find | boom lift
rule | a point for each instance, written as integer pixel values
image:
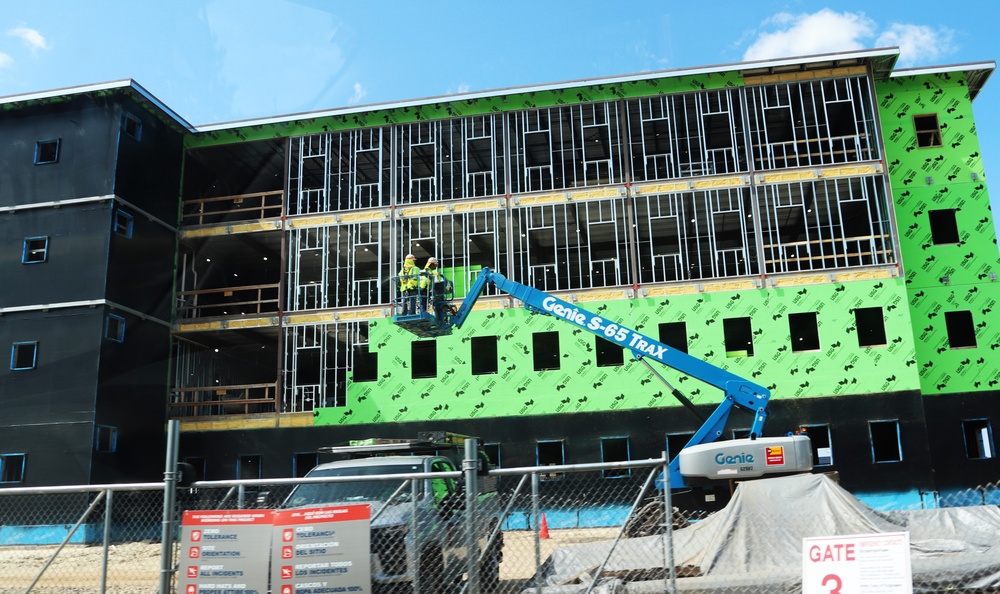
(700, 459)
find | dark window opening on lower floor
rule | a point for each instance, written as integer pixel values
(609, 354)
(674, 335)
(47, 151)
(106, 439)
(804, 330)
(423, 359)
(886, 446)
(200, 466)
(615, 449)
(114, 328)
(545, 350)
(123, 223)
(248, 467)
(978, 439)
(23, 355)
(365, 364)
(550, 453)
(12, 468)
(870, 325)
(676, 442)
(303, 462)
(738, 336)
(961, 329)
(493, 453)
(944, 226)
(36, 250)
(484, 355)
(819, 439)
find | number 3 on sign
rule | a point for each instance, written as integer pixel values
(832, 581)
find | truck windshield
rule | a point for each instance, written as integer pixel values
(361, 491)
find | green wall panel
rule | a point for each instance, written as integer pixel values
(580, 385)
(933, 178)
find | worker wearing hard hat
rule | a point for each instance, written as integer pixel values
(408, 285)
(432, 282)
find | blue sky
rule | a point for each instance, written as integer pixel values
(216, 61)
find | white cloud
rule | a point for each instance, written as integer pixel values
(359, 93)
(5, 60)
(825, 31)
(917, 43)
(31, 37)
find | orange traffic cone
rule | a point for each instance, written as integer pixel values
(543, 530)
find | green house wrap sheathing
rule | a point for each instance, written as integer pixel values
(950, 277)
(579, 385)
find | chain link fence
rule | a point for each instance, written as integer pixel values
(565, 529)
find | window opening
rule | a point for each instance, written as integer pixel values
(365, 364)
(47, 151)
(944, 226)
(550, 453)
(200, 465)
(12, 468)
(615, 449)
(738, 336)
(484, 355)
(132, 126)
(928, 130)
(106, 439)
(978, 439)
(36, 250)
(961, 329)
(493, 453)
(423, 355)
(609, 354)
(23, 355)
(886, 446)
(870, 324)
(676, 442)
(303, 462)
(248, 467)
(114, 328)
(123, 223)
(674, 335)
(819, 438)
(545, 350)
(804, 331)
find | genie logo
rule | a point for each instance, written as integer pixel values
(743, 458)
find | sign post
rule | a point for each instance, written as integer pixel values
(866, 563)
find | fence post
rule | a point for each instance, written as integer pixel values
(538, 541)
(668, 529)
(169, 501)
(471, 466)
(107, 540)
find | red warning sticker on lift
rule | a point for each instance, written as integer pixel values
(775, 455)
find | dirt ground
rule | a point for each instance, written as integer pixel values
(135, 567)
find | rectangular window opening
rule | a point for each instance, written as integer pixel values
(545, 350)
(676, 442)
(47, 151)
(12, 468)
(114, 328)
(423, 359)
(978, 439)
(248, 467)
(23, 355)
(609, 354)
(674, 335)
(944, 226)
(365, 364)
(106, 439)
(303, 462)
(886, 446)
(961, 329)
(36, 250)
(123, 223)
(804, 331)
(493, 453)
(819, 438)
(615, 449)
(928, 130)
(738, 336)
(870, 325)
(550, 453)
(132, 126)
(484, 355)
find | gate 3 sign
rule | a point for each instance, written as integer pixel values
(842, 564)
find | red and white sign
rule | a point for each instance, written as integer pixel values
(774, 455)
(841, 564)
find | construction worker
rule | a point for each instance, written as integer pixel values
(408, 285)
(433, 282)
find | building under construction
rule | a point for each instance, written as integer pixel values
(819, 224)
